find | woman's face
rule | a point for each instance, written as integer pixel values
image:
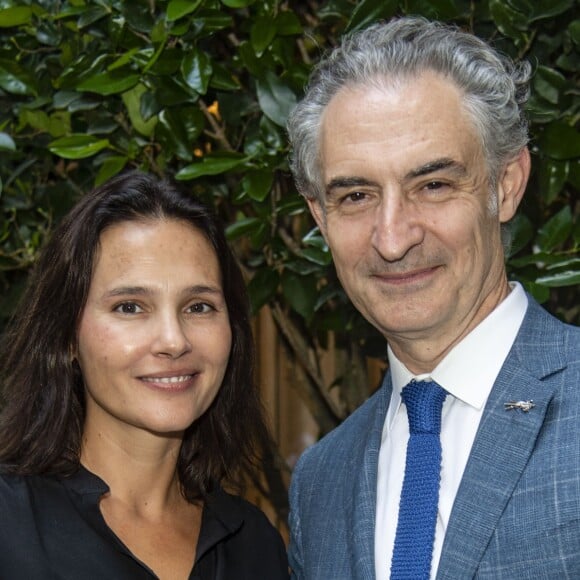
(154, 336)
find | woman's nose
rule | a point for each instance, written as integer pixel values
(171, 338)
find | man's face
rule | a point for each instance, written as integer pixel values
(408, 213)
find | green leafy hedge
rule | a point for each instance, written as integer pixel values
(200, 90)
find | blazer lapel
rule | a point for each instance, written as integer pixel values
(361, 510)
(502, 446)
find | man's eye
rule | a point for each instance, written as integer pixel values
(434, 185)
(355, 196)
(128, 308)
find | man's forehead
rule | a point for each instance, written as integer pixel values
(418, 127)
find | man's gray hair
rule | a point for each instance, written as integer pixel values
(495, 88)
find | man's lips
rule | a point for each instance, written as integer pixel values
(408, 276)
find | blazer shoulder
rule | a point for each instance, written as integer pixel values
(545, 344)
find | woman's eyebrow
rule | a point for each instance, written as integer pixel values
(144, 291)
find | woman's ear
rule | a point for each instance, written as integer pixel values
(512, 185)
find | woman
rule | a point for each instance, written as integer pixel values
(128, 399)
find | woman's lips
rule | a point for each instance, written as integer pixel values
(170, 381)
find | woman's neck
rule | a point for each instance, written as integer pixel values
(140, 468)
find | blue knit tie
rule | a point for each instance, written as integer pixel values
(420, 494)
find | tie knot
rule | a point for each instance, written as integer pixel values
(424, 402)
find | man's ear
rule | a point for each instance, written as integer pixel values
(318, 214)
(512, 185)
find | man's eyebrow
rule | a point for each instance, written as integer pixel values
(344, 182)
(437, 165)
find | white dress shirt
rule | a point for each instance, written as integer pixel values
(467, 373)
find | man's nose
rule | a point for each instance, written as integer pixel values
(397, 228)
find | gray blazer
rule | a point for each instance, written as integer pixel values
(517, 510)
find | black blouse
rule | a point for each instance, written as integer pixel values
(52, 527)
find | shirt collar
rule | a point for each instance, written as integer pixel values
(470, 368)
(222, 514)
(84, 482)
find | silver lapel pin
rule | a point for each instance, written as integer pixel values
(525, 406)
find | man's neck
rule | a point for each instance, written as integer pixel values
(422, 352)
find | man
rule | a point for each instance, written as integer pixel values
(410, 148)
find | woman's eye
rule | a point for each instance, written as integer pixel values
(128, 308)
(201, 308)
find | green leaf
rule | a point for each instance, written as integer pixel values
(57, 125)
(288, 24)
(262, 288)
(243, 227)
(169, 91)
(300, 292)
(549, 8)
(193, 121)
(291, 205)
(77, 146)
(211, 165)
(109, 83)
(303, 267)
(317, 256)
(196, 69)
(211, 20)
(222, 79)
(276, 99)
(567, 278)
(564, 262)
(126, 59)
(15, 80)
(549, 83)
(510, 22)
(132, 100)
(111, 166)
(552, 178)
(15, 16)
(560, 141)
(91, 15)
(237, 3)
(172, 134)
(262, 33)
(257, 183)
(574, 32)
(138, 15)
(36, 119)
(6, 142)
(177, 9)
(315, 239)
(539, 259)
(522, 231)
(249, 59)
(556, 230)
(368, 11)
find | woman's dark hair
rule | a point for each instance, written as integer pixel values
(43, 411)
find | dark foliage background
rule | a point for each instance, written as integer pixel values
(200, 90)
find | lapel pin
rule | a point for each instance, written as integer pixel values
(525, 406)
